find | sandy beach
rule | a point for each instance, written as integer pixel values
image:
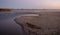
(47, 23)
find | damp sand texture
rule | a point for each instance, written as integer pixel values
(47, 23)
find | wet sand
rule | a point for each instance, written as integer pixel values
(47, 23)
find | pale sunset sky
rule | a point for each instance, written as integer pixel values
(30, 4)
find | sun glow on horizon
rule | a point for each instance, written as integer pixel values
(54, 5)
(48, 4)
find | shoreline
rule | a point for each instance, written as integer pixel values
(22, 27)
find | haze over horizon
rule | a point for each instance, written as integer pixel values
(30, 4)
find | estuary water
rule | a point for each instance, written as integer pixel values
(7, 24)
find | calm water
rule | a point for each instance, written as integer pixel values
(7, 24)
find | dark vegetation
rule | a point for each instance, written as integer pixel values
(5, 10)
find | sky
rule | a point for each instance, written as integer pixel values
(30, 4)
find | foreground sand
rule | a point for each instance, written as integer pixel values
(47, 23)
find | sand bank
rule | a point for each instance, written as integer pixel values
(45, 24)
